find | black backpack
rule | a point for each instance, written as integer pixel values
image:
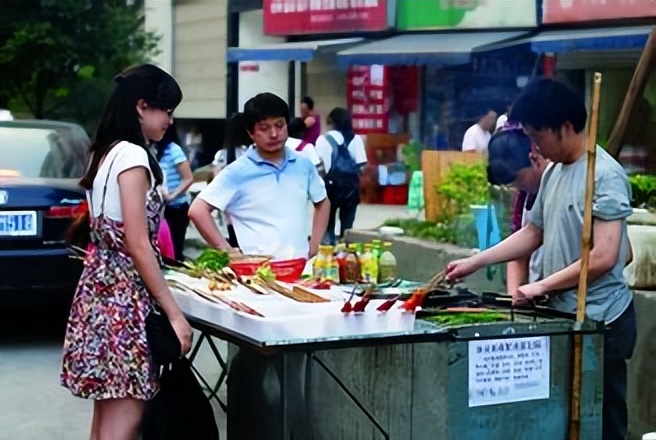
(343, 180)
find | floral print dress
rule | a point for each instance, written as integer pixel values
(106, 354)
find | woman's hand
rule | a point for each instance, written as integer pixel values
(183, 332)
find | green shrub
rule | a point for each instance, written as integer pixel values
(643, 188)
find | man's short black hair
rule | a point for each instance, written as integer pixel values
(308, 101)
(264, 106)
(548, 103)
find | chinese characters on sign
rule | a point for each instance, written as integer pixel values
(303, 17)
(508, 370)
(367, 95)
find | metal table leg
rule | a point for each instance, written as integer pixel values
(213, 390)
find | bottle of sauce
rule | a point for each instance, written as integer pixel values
(340, 256)
(352, 272)
(387, 264)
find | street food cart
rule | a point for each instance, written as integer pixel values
(307, 370)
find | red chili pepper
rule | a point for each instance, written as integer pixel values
(415, 300)
(360, 305)
(384, 307)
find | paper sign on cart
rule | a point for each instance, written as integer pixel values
(508, 370)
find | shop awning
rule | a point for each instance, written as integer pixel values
(561, 41)
(412, 49)
(293, 51)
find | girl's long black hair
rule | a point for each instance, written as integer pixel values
(120, 121)
(341, 120)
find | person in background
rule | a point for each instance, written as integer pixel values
(194, 145)
(106, 356)
(312, 120)
(297, 130)
(235, 143)
(343, 184)
(265, 191)
(436, 140)
(177, 180)
(514, 160)
(478, 135)
(554, 118)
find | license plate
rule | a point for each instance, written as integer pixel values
(18, 223)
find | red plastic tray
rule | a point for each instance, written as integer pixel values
(285, 270)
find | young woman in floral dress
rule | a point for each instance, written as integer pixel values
(106, 354)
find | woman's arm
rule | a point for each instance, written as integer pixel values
(133, 187)
(187, 179)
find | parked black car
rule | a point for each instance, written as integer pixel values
(41, 163)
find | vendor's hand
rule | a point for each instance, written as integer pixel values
(314, 249)
(183, 332)
(527, 293)
(234, 253)
(459, 269)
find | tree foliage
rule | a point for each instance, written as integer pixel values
(58, 57)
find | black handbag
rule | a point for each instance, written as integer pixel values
(164, 344)
(180, 410)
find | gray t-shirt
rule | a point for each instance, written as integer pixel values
(558, 210)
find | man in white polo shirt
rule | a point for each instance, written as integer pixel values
(478, 135)
(265, 191)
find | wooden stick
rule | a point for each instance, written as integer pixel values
(636, 87)
(586, 241)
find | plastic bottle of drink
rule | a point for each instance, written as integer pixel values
(332, 266)
(369, 265)
(340, 256)
(387, 264)
(319, 264)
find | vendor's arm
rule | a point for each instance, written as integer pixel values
(517, 274)
(520, 244)
(607, 238)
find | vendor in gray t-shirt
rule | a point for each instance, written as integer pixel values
(554, 117)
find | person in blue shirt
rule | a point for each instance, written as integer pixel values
(265, 191)
(177, 180)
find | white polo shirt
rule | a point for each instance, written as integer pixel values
(268, 203)
(476, 139)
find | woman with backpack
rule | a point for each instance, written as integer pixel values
(344, 158)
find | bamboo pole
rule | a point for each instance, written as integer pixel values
(586, 241)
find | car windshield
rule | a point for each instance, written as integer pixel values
(41, 152)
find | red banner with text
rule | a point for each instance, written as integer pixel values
(367, 96)
(307, 17)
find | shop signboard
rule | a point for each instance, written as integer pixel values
(308, 17)
(367, 98)
(465, 14)
(568, 11)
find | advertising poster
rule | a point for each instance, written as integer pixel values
(367, 98)
(307, 17)
(465, 14)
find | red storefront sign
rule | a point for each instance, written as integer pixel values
(305, 17)
(368, 97)
(566, 11)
